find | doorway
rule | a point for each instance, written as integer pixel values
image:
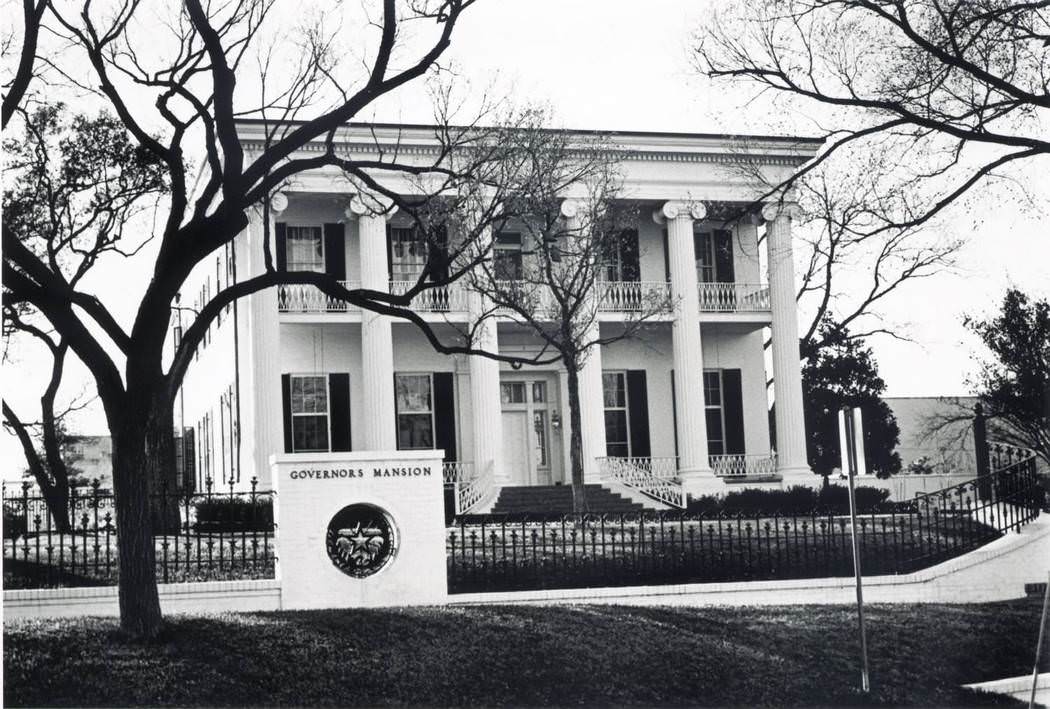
(530, 418)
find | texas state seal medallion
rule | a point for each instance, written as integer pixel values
(361, 540)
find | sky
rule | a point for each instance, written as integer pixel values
(626, 65)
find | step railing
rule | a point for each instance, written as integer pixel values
(449, 298)
(654, 477)
(472, 492)
(737, 465)
(305, 298)
(733, 297)
(458, 471)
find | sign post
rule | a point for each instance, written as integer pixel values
(847, 419)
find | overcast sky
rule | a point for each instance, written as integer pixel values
(626, 65)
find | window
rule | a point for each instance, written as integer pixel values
(309, 399)
(716, 439)
(304, 246)
(415, 411)
(705, 257)
(617, 429)
(408, 253)
(506, 260)
(512, 392)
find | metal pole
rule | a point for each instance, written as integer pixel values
(1039, 645)
(865, 685)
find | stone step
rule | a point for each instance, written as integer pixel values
(550, 499)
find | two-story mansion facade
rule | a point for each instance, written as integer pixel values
(680, 409)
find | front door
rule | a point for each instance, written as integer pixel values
(528, 451)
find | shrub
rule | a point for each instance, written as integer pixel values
(15, 525)
(234, 514)
(796, 500)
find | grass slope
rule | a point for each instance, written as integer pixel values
(515, 655)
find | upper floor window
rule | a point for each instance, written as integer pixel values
(305, 248)
(309, 412)
(408, 253)
(506, 260)
(714, 256)
(415, 411)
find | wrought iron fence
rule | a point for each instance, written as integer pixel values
(534, 552)
(198, 536)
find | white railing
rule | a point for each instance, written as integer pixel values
(303, 298)
(737, 465)
(634, 296)
(655, 477)
(733, 297)
(474, 491)
(439, 299)
(456, 472)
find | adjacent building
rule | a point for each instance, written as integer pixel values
(678, 411)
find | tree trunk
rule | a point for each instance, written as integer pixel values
(579, 499)
(160, 468)
(140, 614)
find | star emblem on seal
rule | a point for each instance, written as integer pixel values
(361, 540)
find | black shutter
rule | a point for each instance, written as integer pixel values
(667, 261)
(733, 409)
(674, 415)
(286, 405)
(638, 403)
(335, 252)
(389, 253)
(438, 255)
(190, 457)
(629, 255)
(724, 257)
(339, 410)
(445, 415)
(281, 245)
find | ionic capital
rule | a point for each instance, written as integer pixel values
(677, 208)
(772, 210)
(570, 208)
(278, 202)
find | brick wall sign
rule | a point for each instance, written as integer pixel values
(360, 529)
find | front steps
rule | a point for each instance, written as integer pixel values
(557, 499)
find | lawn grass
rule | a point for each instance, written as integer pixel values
(525, 655)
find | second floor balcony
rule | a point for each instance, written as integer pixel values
(628, 298)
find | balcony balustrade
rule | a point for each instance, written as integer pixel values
(634, 296)
(729, 466)
(440, 299)
(303, 298)
(733, 297)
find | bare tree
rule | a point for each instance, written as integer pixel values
(182, 74)
(953, 90)
(552, 278)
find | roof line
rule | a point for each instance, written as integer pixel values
(630, 133)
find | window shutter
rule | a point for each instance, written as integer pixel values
(445, 414)
(438, 255)
(674, 415)
(335, 252)
(281, 246)
(733, 410)
(629, 255)
(339, 410)
(724, 257)
(190, 459)
(389, 253)
(638, 403)
(667, 266)
(286, 405)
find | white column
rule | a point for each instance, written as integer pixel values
(787, 368)
(687, 350)
(262, 418)
(377, 348)
(592, 400)
(484, 391)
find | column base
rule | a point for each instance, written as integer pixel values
(697, 483)
(801, 475)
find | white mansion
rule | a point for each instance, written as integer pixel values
(682, 410)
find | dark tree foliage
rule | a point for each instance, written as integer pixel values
(1014, 387)
(843, 372)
